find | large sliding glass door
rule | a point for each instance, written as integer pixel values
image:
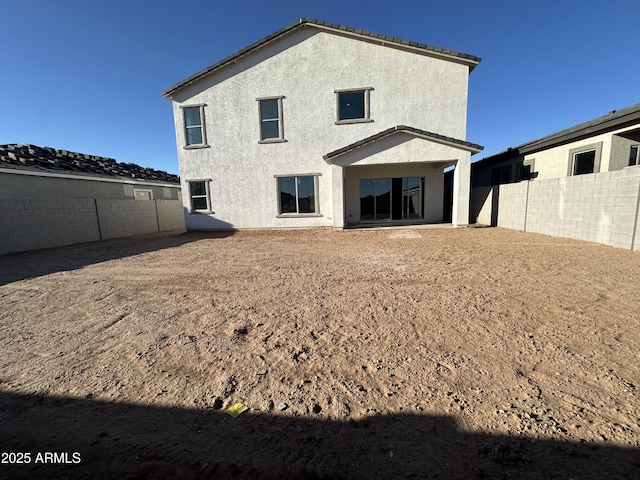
(391, 198)
(412, 197)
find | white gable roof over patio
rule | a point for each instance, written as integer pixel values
(401, 144)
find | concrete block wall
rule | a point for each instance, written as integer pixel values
(31, 224)
(600, 207)
(512, 204)
(125, 218)
(170, 215)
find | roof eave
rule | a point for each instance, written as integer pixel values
(470, 60)
(451, 142)
(605, 126)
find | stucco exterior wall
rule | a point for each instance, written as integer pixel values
(555, 162)
(306, 67)
(481, 176)
(27, 185)
(620, 149)
(481, 206)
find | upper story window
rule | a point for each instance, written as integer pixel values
(634, 157)
(271, 127)
(352, 105)
(194, 131)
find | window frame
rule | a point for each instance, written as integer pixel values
(501, 169)
(527, 166)
(202, 127)
(577, 159)
(367, 105)
(297, 214)
(634, 161)
(207, 195)
(145, 190)
(596, 147)
(280, 138)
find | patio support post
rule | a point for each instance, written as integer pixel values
(337, 193)
(461, 191)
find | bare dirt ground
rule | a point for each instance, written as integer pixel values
(386, 353)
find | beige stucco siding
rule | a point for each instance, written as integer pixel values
(620, 150)
(554, 162)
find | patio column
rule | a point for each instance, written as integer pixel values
(461, 191)
(337, 194)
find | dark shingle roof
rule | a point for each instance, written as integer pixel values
(46, 159)
(452, 55)
(472, 147)
(612, 121)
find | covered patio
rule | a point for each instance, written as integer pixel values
(396, 177)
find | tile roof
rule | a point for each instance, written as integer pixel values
(452, 55)
(472, 147)
(46, 159)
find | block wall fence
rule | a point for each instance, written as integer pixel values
(598, 207)
(35, 223)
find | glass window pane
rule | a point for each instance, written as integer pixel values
(350, 105)
(198, 188)
(199, 203)
(287, 190)
(306, 197)
(270, 130)
(367, 201)
(192, 116)
(383, 198)
(268, 109)
(633, 156)
(584, 162)
(194, 136)
(414, 198)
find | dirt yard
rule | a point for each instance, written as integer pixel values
(387, 353)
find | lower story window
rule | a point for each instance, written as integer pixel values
(199, 194)
(501, 175)
(584, 162)
(297, 194)
(142, 194)
(633, 156)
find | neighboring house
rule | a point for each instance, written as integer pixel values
(29, 171)
(607, 143)
(324, 125)
(54, 197)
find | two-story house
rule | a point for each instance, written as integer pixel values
(324, 125)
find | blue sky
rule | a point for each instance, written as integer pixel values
(87, 76)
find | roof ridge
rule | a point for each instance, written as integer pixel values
(452, 55)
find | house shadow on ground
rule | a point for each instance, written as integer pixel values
(24, 265)
(128, 441)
